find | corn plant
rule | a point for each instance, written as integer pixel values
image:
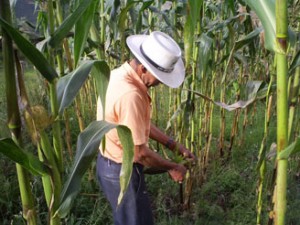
(229, 52)
(63, 91)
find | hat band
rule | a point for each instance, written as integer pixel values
(154, 64)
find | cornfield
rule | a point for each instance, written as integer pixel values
(242, 62)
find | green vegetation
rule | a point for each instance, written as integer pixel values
(228, 196)
(238, 110)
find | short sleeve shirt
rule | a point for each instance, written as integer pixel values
(127, 103)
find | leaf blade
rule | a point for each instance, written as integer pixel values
(87, 146)
(68, 23)
(10, 149)
(82, 28)
(31, 52)
(69, 85)
(290, 150)
(126, 169)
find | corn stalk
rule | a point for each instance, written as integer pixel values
(262, 153)
(282, 111)
(14, 120)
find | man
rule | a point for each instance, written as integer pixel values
(157, 60)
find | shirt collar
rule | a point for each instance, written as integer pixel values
(136, 78)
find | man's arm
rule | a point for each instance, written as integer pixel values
(157, 135)
(149, 158)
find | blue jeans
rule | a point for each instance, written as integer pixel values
(135, 207)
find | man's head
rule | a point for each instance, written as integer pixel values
(160, 55)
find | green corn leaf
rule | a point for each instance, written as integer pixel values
(205, 47)
(10, 149)
(188, 35)
(222, 25)
(101, 74)
(139, 25)
(87, 147)
(195, 7)
(125, 174)
(265, 10)
(248, 38)
(69, 85)
(115, 7)
(68, 24)
(123, 16)
(30, 52)
(190, 26)
(290, 150)
(82, 28)
(295, 63)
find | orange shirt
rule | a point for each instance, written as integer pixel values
(127, 103)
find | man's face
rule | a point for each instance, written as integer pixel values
(150, 80)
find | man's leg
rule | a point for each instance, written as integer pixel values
(135, 207)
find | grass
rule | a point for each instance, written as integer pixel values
(227, 197)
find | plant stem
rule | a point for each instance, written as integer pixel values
(282, 110)
(14, 120)
(57, 141)
(293, 97)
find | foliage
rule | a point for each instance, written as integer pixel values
(229, 50)
(87, 147)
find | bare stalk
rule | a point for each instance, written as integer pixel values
(282, 110)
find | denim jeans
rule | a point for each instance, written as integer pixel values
(135, 207)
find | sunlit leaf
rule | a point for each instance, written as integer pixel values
(265, 10)
(69, 85)
(127, 143)
(87, 147)
(101, 74)
(82, 28)
(30, 52)
(68, 24)
(30, 162)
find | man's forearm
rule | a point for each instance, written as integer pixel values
(159, 136)
(149, 158)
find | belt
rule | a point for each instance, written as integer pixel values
(109, 160)
(138, 165)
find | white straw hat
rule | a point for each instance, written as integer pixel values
(161, 55)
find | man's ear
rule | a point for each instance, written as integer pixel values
(144, 70)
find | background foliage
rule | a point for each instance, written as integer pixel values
(225, 112)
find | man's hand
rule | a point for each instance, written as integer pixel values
(178, 173)
(187, 154)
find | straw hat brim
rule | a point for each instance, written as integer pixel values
(173, 79)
